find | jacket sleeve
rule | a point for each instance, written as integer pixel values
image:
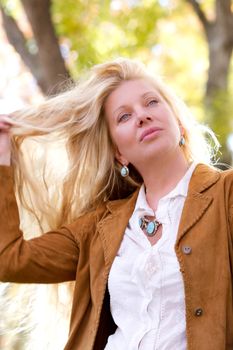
(230, 210)
(50, 258)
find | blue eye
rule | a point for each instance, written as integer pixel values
(124, 117)
(152, 102)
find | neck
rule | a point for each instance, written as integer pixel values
(160, 177)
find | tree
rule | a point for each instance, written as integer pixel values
(45, 61)
(219, 36)
(54, 22)
(127, 28)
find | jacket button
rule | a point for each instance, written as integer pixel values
(186, 250)
(198, 312)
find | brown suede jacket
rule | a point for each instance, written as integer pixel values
(84, 252)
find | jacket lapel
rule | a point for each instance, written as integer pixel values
(112, 227)
(198, 200)
(194, 208)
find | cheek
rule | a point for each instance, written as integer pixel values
(122, 142)
(123, 134)
(125, 143)
(173, 125)
(118, 139)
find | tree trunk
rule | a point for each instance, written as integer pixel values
(47, 64)
(218, 101)
(53, 70)
(220, 54)
(219, 34)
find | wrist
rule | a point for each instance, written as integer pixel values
(5, 159)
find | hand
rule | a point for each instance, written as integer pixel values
(5, 143)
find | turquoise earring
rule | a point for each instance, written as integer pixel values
(124, 171)
(182, 141)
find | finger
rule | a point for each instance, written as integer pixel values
(5, 119)
(4, 126)
(9, 121)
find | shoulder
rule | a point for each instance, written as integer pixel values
(212, 184)
(227, 185)
(88, 220)
(87, 223)
(206, 176)
(221, 186)
(226, 181)
(227, 175)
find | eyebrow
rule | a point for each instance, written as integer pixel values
(142, 96)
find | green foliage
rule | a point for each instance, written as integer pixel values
(96, 31)
(11, 7)
(168, 38)
(183, 58)
(164, 34)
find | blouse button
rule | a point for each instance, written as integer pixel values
(186, 250)
(198, 312)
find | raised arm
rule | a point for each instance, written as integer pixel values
(5, 151)
(50, 258)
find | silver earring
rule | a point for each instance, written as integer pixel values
(182, 141)
(124, 171)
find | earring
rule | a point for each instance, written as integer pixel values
(182, 141)
(124, 171)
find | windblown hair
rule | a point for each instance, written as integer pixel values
(64, 165)
(75, 120)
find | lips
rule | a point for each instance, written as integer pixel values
(147, 132)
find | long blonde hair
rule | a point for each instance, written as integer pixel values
(75, 119)
(64, 165)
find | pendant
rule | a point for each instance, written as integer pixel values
(150, 227)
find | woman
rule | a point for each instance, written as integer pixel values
(146, 226)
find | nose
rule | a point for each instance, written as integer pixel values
(143, 118)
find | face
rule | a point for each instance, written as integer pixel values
(141, 123)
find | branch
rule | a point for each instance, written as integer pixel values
(18, 41)
(200, 13)
(47, 65)
(54, 70)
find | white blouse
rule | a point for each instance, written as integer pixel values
(145, 283)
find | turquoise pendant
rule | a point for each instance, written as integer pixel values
(141, 224)
(149, 227)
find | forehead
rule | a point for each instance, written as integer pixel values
(128, 91)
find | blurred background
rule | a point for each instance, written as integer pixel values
(45, 42)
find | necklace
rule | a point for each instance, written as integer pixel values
(150, 227)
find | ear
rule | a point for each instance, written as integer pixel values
(120, 158)
(181, 129)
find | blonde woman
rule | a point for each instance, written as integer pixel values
(144, 224)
